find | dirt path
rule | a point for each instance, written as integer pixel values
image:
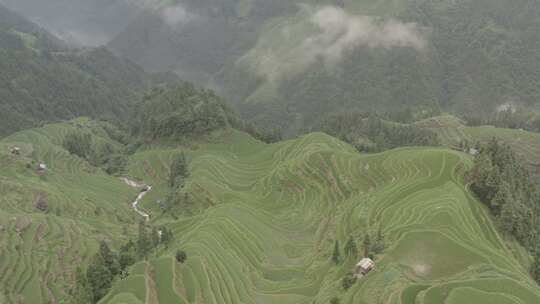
(144, 190)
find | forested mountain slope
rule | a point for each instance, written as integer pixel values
(79, 22)
(275, 58)
(454, 133)
(43, 81)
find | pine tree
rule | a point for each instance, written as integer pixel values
(535, 267)
(110, 258)
(378, 246)
(155, 238)
(336, 255)
(507, 219)
(181, 256)
(367, 245)
(99, 278)
(144, 243)
(166, 236)
(178, 170)
(350, 248)
(127, 255)
(501, 198)
(82, 293)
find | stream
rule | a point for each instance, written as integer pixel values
(144, 190)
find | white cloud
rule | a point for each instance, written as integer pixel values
(335, 32)
(176, 15)
(340, 32)
(173, 14)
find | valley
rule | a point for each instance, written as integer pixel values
(269, 152)
(261, 223)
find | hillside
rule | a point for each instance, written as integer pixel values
(261, 221)
(43, 81)
(79, 22)
(280, 64)
(258, 223)
(52, 222)
(452, 132)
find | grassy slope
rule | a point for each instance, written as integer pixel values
(274, 212)
(39, 251)
(452, 131)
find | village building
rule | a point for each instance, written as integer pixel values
(16, 150)
(42, 167)
(364, 267)
(473, 151)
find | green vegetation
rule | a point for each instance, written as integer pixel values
(478, 56)
(110, 157)
(180, 112)
(268, 218)
(43, 81)
(336, 256)
(42, 247)
(454, 133)
(264, 223)
(179, 171)
(181, 256)
(369, 133)
(512, 196)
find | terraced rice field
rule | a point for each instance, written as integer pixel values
(39, 251)
(268, 216)
(452, 131)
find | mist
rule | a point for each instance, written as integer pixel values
(335, 33)
(340, 32)
(176, 15)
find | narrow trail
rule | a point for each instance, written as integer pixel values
(144, 190)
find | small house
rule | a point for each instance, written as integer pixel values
(16, 150)
(42, 167)
(473, 151)
(364, 267)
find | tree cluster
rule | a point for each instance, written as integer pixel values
(95, 283)
(178, 170)
(271, 136)
(511, 118)
(178, 197)
(99, 154)
(501, 182)
(106, 265)
(367, 132)
(150, 238)
(348, 281)
(39, 86)
(181, 111)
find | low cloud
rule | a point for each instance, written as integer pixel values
(176, 15)
(82, 38)
(335, 33)
(340, 32)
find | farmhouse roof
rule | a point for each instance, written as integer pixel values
(366, 263)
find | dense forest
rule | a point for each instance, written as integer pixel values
(43, 81)
(504, 185)
(180, 111)
(479, 56)
(520, 118)
(369, 133)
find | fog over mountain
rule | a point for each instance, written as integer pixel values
(80, 22)
(269, 151)
(272, 56)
